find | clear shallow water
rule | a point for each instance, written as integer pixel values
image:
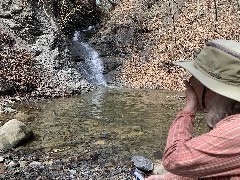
(116, 122)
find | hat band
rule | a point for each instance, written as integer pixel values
(219, 65)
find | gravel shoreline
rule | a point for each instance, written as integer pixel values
(28, 164)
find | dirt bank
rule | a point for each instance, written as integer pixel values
(147, 36)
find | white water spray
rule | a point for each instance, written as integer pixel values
(92, 68)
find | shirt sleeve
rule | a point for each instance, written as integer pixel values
(170, 176)
(212, 154)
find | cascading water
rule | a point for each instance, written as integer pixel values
(91, 66)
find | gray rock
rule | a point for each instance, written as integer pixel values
(9, 110)
(72, 171)
(35, 25)
(1, 159)
(48, 163)
(35, 163)
(56, 167)
(159, 169)
(12, 133)
(142, 163)
(107, 5)
(5, 15)
(13, 164)
(23, 164)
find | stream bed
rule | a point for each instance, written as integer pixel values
(93, 136)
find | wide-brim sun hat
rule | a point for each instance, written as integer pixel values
(217, 67)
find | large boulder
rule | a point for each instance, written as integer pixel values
(13, 133)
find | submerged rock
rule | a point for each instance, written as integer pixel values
(12, 133)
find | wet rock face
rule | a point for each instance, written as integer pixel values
(33, 26)
(12, 133)
(17, 73)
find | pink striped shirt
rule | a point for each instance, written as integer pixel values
(213, 155)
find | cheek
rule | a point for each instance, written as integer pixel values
(199, 90)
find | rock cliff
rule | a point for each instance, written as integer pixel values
(137, 39)
(35, 54)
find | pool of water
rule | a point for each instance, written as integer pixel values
(117, 122)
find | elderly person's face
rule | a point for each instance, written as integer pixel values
(204, 94)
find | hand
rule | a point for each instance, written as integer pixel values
(192, 104)
(154, 177)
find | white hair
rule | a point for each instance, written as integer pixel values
(221, 107)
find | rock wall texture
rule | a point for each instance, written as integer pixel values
(137, 39)
(35, 54)
(14, 63)
(147, 36)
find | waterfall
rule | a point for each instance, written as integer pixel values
(91, 64)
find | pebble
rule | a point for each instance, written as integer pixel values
(13, 164)
(35, 163)
(72, 171)
(48, 163)
(56, 167)
(23, 164)
(9, 110)
(78, 167)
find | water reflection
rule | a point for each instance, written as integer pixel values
(121, 122)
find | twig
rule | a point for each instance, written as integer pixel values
(216, 15)
(173, 28)
(216, 12)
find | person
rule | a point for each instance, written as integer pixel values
(215, 88)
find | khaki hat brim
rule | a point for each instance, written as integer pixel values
(217, 86)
